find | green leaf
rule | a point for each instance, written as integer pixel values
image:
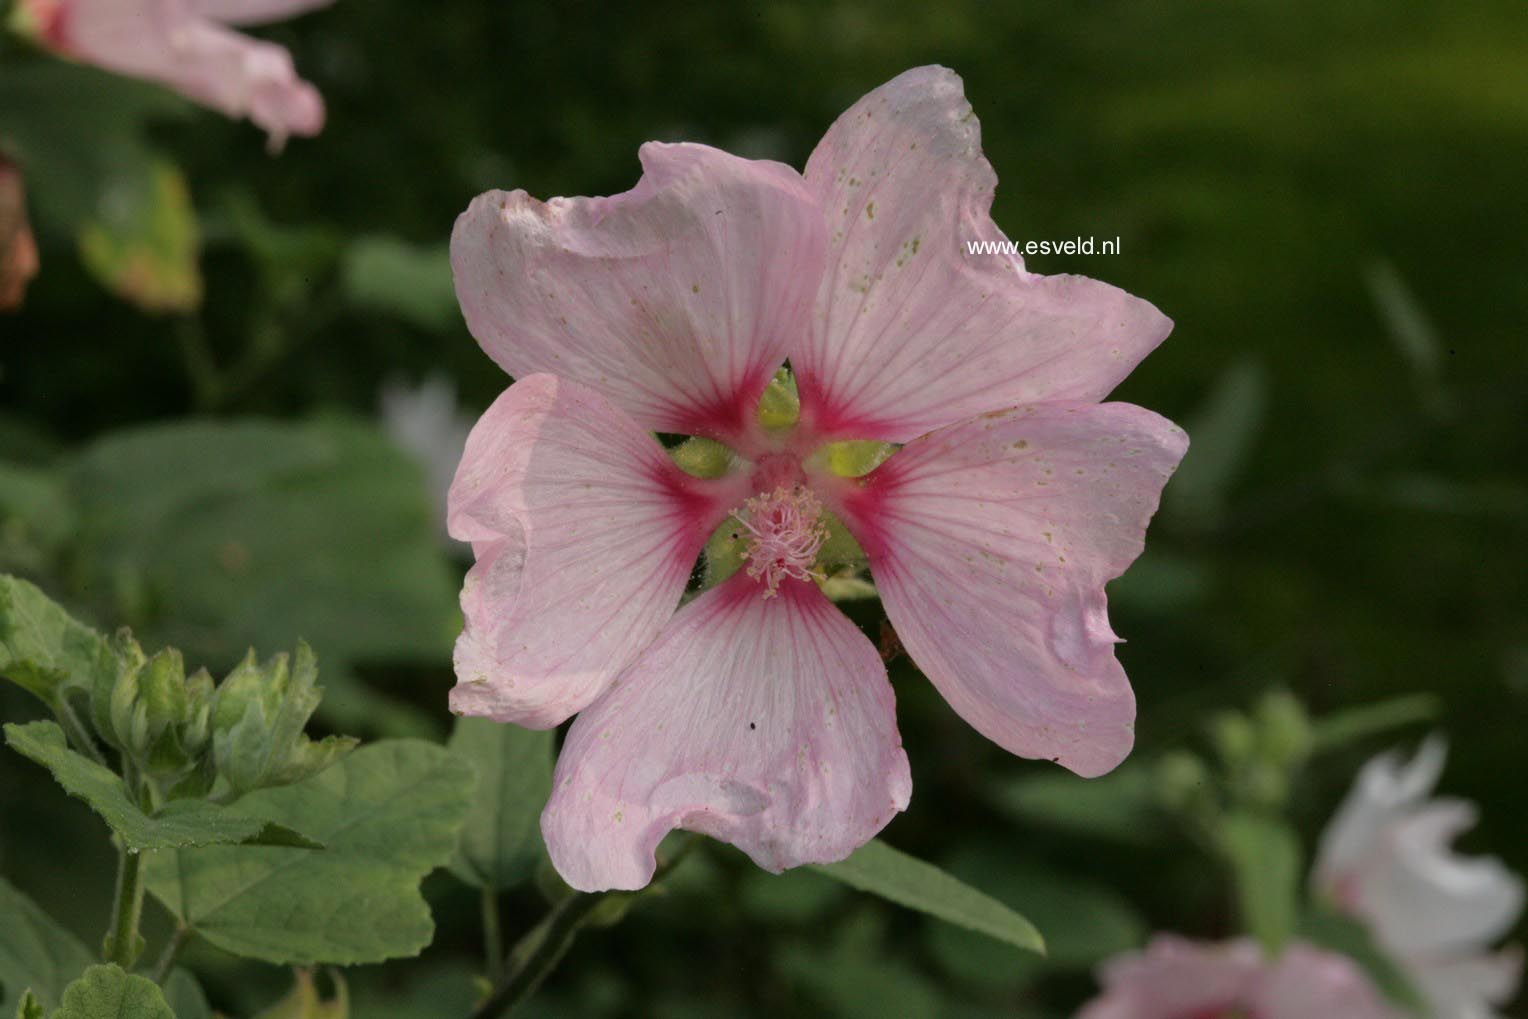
(858, 975)
(1414, 335)
(1120, 806)
(106, 992)
(143, 242)
(388, 813)
(501, 841)
(215, 537)
(908, 881)
(1084, 921)
(412, 282)
(178, 823)
(1225, 429)
(36, 518)
(76, 130)
(1341, 728)
(1265, 858)
(43, 649)
(185, 996)
(35, 953)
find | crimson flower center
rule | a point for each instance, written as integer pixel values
(785, 532)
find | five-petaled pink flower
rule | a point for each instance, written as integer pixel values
(187, 45)
(758, 713)
(1178, 979)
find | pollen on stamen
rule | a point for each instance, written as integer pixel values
(785, 532)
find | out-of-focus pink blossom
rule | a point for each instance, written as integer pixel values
(758, 713)
(18, 249)
(189, 46)
(1179, 979)
(1386, 857)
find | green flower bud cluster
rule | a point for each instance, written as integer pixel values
(1257, 756)
(258, 720)
(1261, 751)
(189, 737)
(158, 718)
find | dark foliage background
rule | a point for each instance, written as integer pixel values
(1326, 198)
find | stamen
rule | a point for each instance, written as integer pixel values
(785, 531)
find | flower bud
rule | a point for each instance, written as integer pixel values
(1183, 782)
(1285, 729)
(104, 693)
(157, 718)
(258, 721)
(241, 689)
(1234, 738)
(162, 688)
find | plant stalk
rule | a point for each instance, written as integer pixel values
(172, 950)
(493, 936)
(122, 940)
(532, 960)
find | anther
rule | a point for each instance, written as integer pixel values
(785, 532)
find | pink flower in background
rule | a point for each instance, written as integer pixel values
(18, 249)
(1387, 858)
(1178, 979)
(758, 713)
(188, 46)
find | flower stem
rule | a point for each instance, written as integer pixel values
(493, 936)
(171, 952)
(122, 941)
(79, 736)
(544, 948)
(532, 960)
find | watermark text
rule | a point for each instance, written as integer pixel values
(1071, 246)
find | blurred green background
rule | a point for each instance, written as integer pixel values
(1326, 198)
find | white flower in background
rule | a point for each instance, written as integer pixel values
(425, 423)
(1387, 859)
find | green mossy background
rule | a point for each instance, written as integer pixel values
(1327, 199)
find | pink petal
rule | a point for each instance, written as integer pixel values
(256, 12)
(766, 723)
(991, 541)
(1174, 978)
(1308, 983)
(170, 42)
(676, 300)
(585, 534)
(911, 332)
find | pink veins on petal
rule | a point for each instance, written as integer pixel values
(758, 713)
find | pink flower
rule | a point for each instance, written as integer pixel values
(758, 713)
(187, 45)
(1387, 858)
(1178, 979)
